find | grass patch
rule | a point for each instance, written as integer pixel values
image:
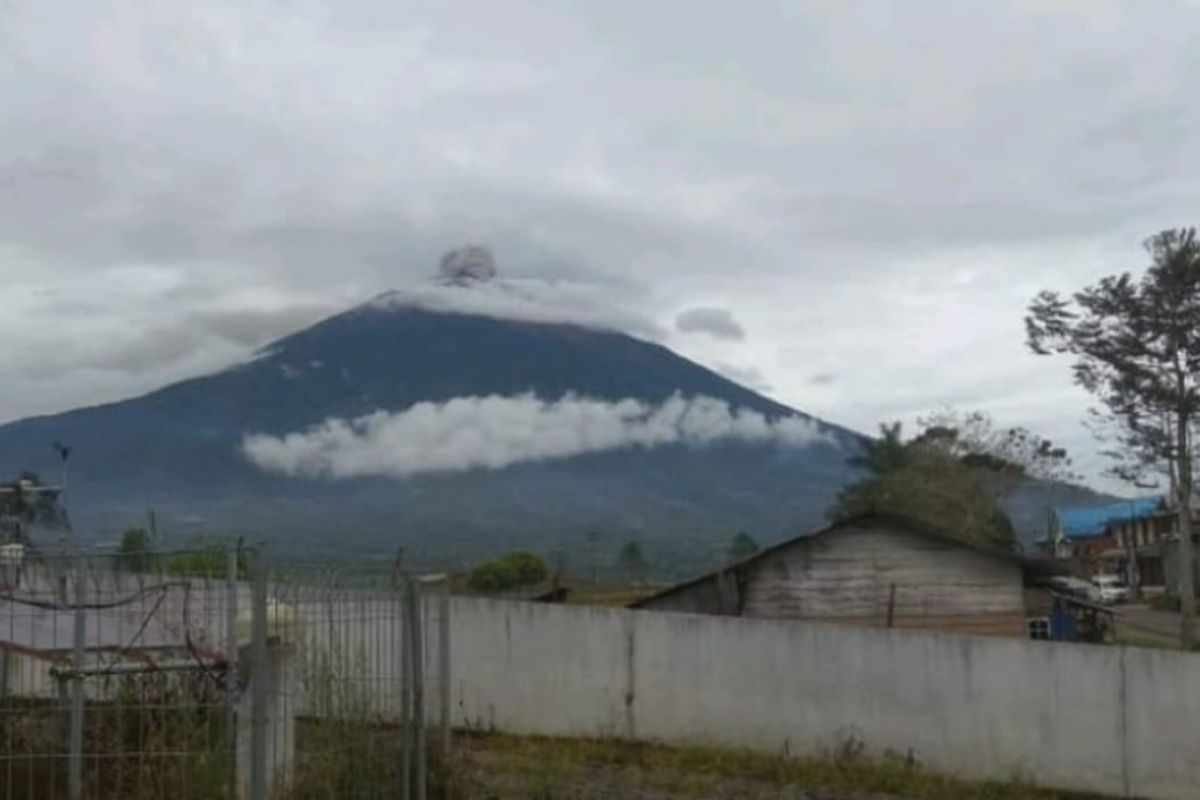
(503, 767)
(609, 594)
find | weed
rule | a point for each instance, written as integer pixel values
(511, 767)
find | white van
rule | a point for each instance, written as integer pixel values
(1109, 589)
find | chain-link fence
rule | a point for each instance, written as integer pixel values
(215, 674)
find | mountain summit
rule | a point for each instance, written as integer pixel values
(455, 419)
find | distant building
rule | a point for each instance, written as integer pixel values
(1141, 546)
(883, 571)
(1086, 533)
(1131, 538)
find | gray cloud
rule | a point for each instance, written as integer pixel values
(718, 322)
(822, 378)
(878, 191)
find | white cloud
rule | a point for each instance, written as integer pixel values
(717, 322)
(529, 300)
(493, 432)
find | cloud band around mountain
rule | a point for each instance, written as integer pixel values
(493, 432)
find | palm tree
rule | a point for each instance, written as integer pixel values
(886, 454)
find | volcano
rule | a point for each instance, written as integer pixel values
(455, 420)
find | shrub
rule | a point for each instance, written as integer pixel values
(509, 571)
(492, 576)
(527, 568)
(136, 551)
(206, 560)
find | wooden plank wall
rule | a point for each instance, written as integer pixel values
(847, 576)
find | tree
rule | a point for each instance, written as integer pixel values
(743, 546)
(1136, 348)
(632, 562)
(509, 571)
(134, 552)
(491, 576)
(886, 454)
(976, 440)
(930, 480)
(527, 568)
(27, 502)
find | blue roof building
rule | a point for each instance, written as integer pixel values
(1115, 537)
(1092, 521)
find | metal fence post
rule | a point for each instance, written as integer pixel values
(231, 663)
(75, 756)
(417, 672)
(258, 682)
(444, 666)
(406, 732)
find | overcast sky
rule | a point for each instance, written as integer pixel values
(846, 205)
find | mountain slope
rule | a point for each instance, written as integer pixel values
(177, 450)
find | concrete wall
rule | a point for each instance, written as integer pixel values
(1111, 720)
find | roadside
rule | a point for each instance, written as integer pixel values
(1145, 626)
(1142, 615)
(496, 767)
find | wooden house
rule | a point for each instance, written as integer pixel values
(876, 570)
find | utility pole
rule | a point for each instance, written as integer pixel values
(1187, 558)
(64, 453)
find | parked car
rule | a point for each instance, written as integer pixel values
(1109, 589)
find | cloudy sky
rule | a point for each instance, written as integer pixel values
(846, 205)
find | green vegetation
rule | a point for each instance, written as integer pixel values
(158, 735)
(510, 571)
(951, 474)
(926, 481)
(344, 758)
(27, 502)
(606, 594)
(210, 559)
(508, 768)
(135, 552)
(1135, 345)
(205, 560)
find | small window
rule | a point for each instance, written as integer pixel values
(1039, 628)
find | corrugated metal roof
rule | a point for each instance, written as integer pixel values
(1092, 521)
